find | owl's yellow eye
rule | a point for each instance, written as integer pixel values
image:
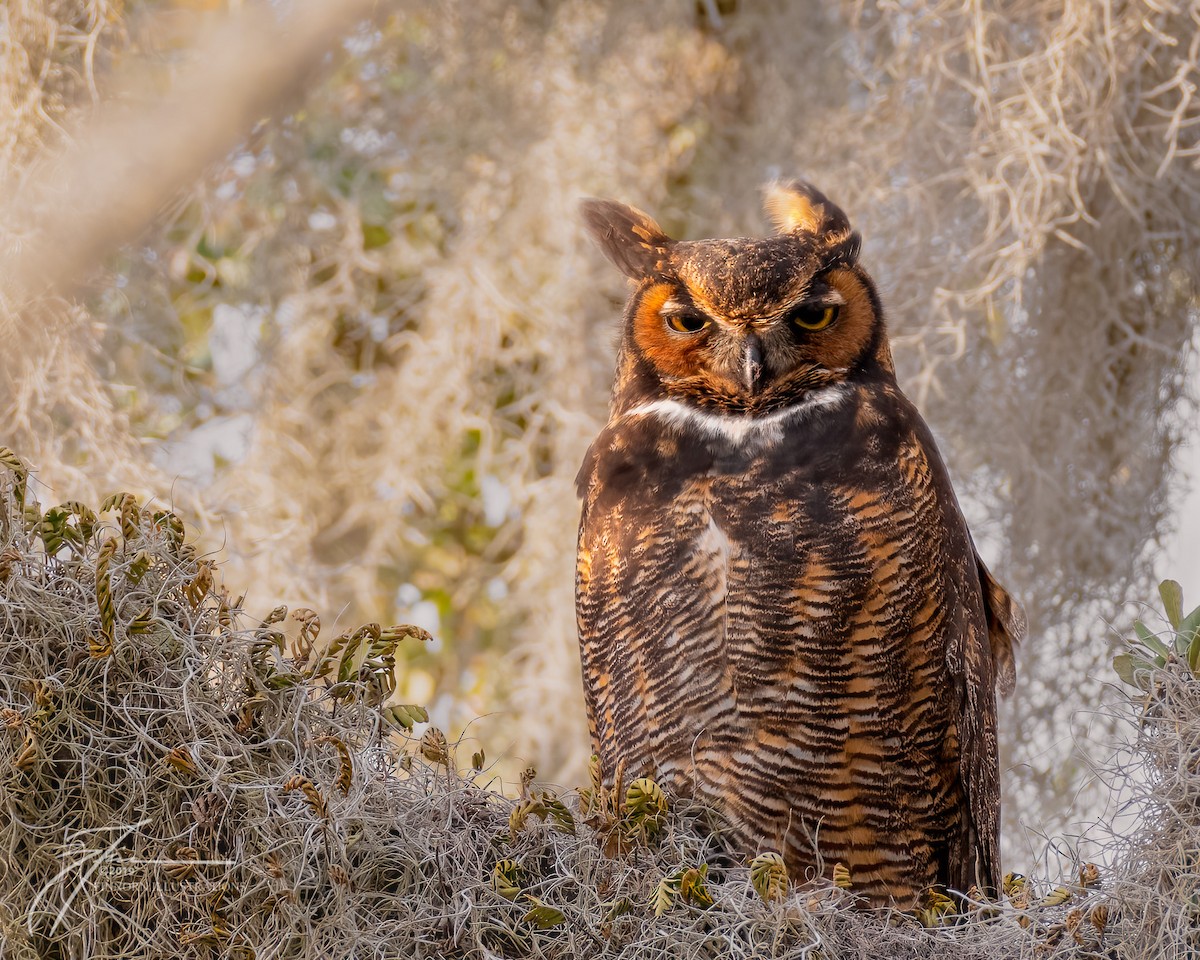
(816, 317)
(689, 321)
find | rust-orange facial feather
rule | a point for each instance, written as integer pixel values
(780, 607)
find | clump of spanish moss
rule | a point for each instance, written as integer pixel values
(1159, 885)
(178, 779)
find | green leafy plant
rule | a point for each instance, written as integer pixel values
(1150, 651)
(769, 876)
(687, 885)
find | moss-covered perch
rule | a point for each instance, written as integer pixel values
(177, 780)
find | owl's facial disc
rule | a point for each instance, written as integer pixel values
(809, 334)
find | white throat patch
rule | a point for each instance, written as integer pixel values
(742, 430)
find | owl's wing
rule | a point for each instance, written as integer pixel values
(1006, 627)
(981, 658)
(650, 605)
(986, 667)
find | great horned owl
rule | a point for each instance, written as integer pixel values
(780, 607)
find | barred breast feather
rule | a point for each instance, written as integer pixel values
(786, 617)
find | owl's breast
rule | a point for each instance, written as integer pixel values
(788, 594)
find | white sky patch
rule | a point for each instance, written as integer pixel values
(194, 456)
(1180, 558)
(233, 343)
(407, 594)
(424, 614)
(496, 499)
(321, 220)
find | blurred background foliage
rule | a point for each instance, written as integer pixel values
(368, 350)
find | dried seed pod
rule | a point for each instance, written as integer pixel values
(171, 527)
(131, 515)
(199, 586)
(1072, 923)
(20, 474)
(841, 876)
(27, 755)
(9, 558)
(345, 777)
(1089, 875)
(434, 747)
(183, 866)
(315, 801)
(528, 775)
(104, 597)
(181, 759)
(310, 627)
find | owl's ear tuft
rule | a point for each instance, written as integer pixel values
(798, 207)
(628, 237)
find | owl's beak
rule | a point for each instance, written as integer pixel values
(752, 363)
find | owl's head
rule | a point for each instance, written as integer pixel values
(744, 325)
